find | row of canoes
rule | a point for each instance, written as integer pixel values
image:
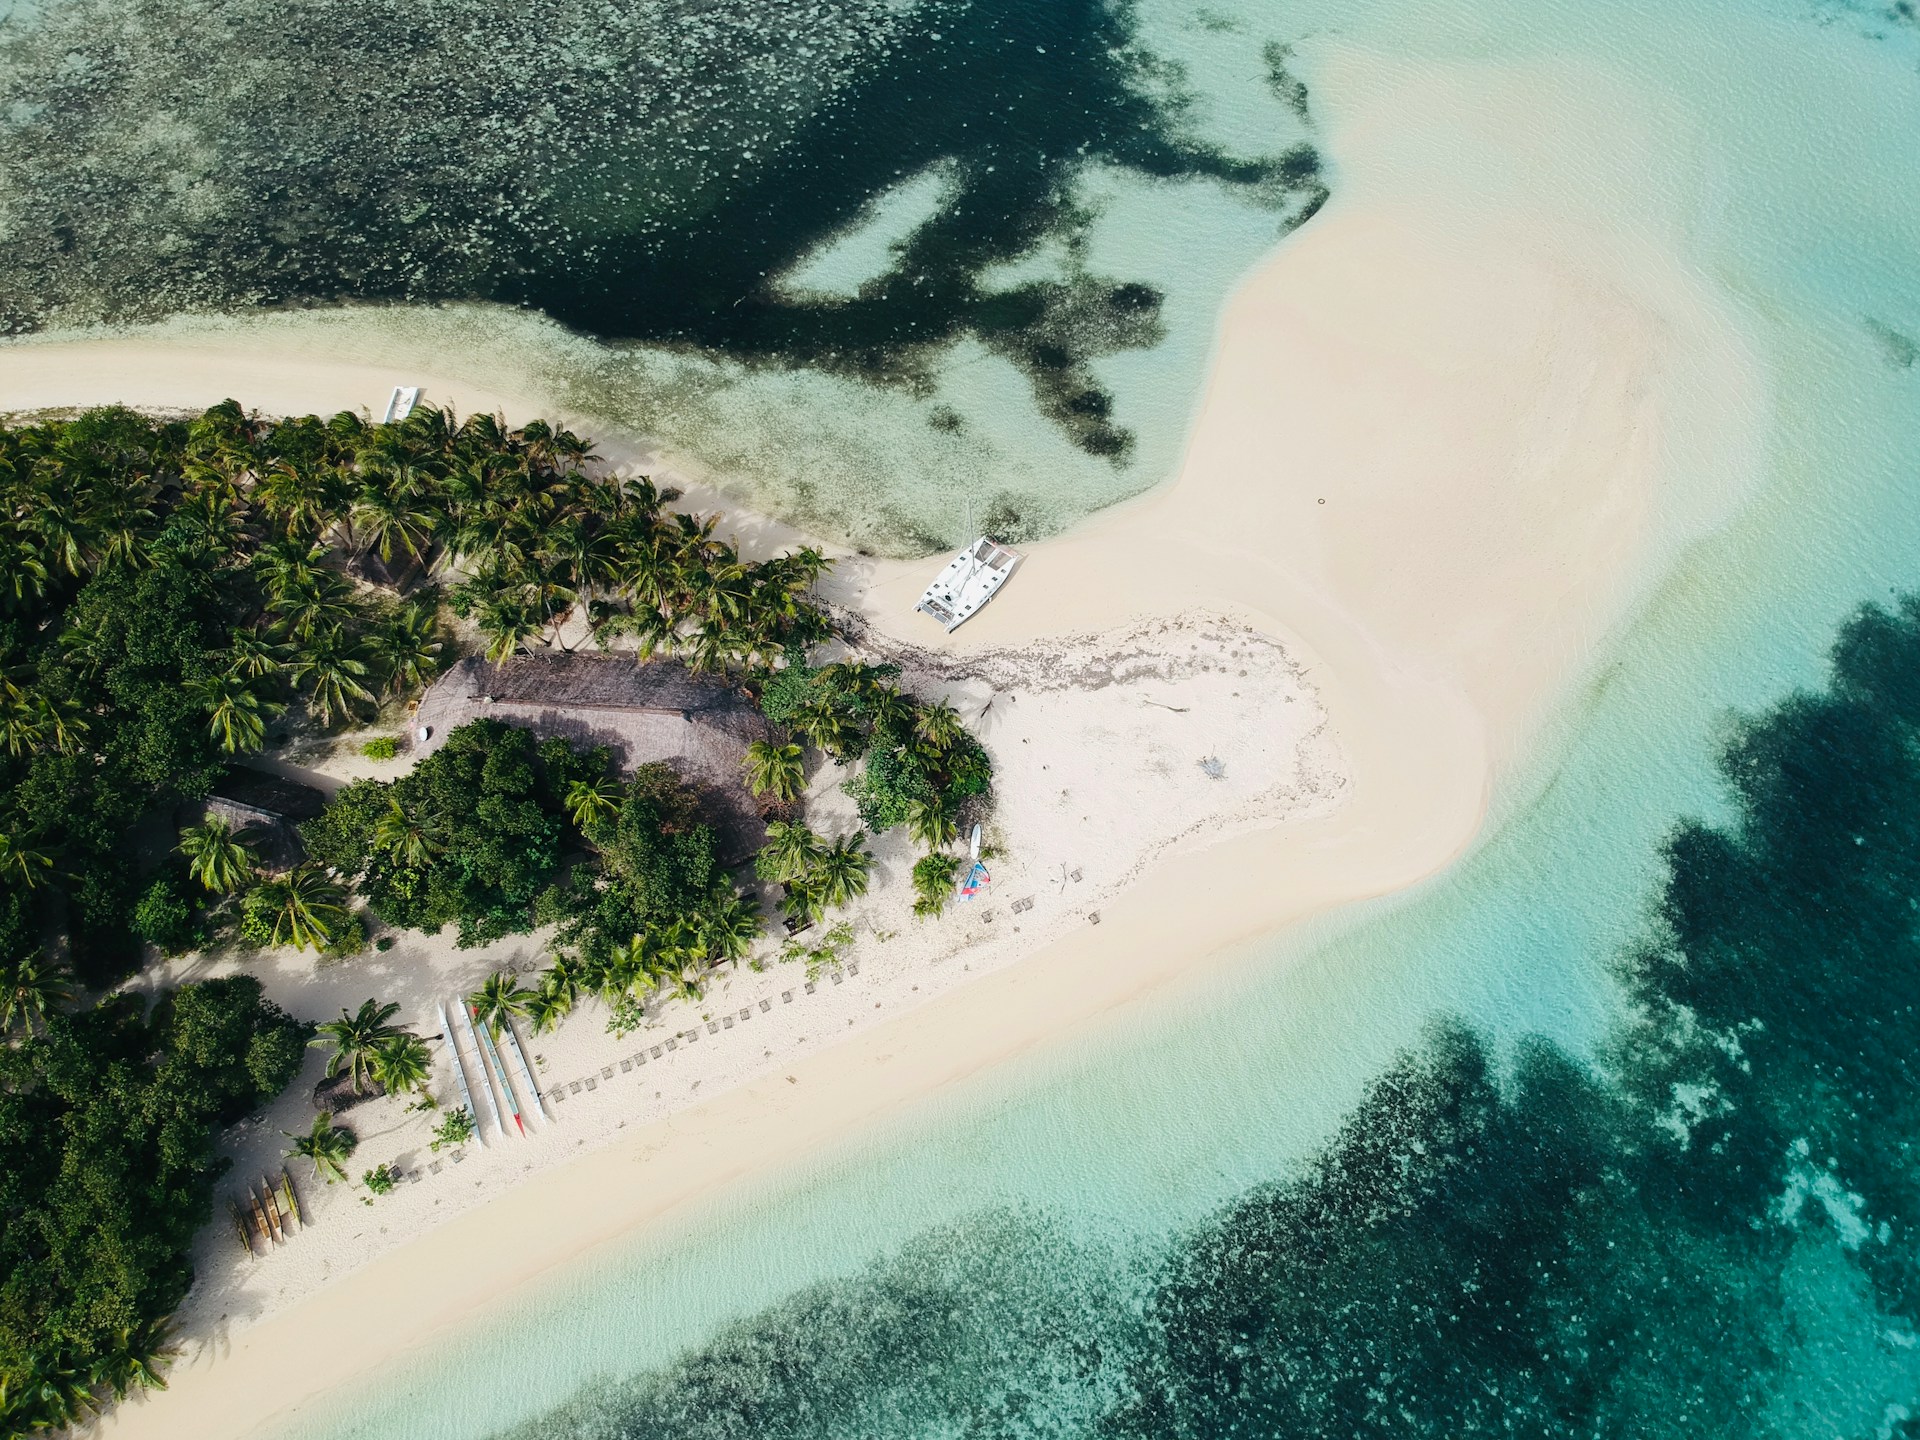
(486, 1073)
(268, 1215)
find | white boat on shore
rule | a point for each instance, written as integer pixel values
(970, 580)
(400, 404)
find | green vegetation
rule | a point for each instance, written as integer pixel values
(166, 589)
(933, 878)
(357, 1039)
(921, 765)
(381, 747)
(456, 1128)
(471, 836)
(328, 1146)
(108, 1126)
(379, 1180)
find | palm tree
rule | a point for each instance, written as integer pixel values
(545, 1009)
(139, 1354)
(508, 623)
(402, 1062)
(731, 927)
(286, 568)
(217, 856)
(59, 722)
(776, 770)
(333, 666)
(592, 800)
(405, 650)
(565, 977)
(889, 709)
(236, 715)
(21, 725)
(22, 861)
(803, 902)
(303, 501)
(841, 872)
(253, 656)
(413, 840)
(938, 725)
(791, 851)
(308, 907)
(53, 1393)
(357, 1040)
(327, 1145)
(932, 823)
(23, 572)
(933, 877)
(389, 519)
(823, 724)
(31, 989)
(499, 999)
(321, 603)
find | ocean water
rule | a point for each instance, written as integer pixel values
(1289, 1204)
(852, 254)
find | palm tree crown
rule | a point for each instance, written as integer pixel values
(328, 1146)
(357, 1040)
(218, 857)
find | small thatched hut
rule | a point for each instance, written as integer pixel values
(270, 807)
(654, 712)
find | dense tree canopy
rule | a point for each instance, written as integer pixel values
(108, 1127)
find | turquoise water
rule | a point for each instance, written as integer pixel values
(1023, 1256)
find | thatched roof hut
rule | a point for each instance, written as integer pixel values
(653, 712)
(268, 806)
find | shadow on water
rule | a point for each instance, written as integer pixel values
(1707, 1230)
(638, 171)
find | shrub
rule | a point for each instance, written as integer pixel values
(164, 917)
(257, 910)
(456, 1128)
(787, 690)
(379, 1180)
(381, 747)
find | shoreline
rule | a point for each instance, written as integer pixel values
(1433, 462)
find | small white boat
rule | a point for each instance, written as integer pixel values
(400, 404)
(970, 580)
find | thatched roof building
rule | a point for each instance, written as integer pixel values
(268, 807)
(654, 712)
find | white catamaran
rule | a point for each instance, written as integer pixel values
(968, 582)
(460, 1074)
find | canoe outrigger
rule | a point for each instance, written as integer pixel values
(968, 582)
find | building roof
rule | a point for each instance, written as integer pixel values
(599, 682)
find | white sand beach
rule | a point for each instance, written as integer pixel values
(1453, 433)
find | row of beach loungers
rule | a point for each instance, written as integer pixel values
(640, 1057)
